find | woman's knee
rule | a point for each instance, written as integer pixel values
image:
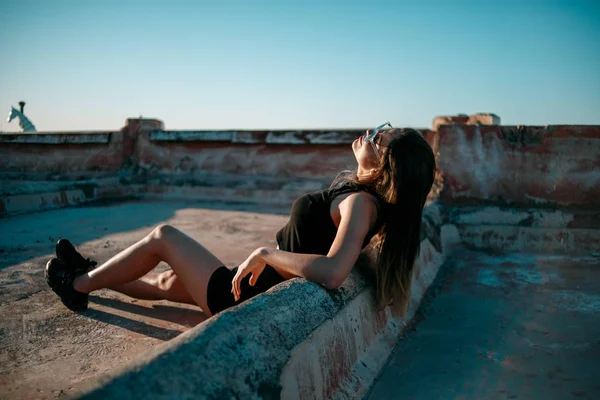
(162, 235)
(165, 280)
(164, 231)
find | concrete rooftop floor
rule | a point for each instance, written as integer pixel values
(512, 326)
(48, 351)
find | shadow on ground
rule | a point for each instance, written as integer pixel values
(114, 312)
(25, 237)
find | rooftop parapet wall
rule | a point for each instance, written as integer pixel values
(551, 166)
(144, 147)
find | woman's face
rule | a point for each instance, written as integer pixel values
(365, 154)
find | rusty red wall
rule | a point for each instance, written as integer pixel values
(259, 157)
(60, 153)
(545, 166)
(302, 154)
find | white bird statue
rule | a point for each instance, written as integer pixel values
(24, 122)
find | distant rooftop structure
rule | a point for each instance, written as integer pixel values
(473, 119)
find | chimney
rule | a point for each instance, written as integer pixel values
(22, 104)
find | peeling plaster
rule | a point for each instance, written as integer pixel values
(332, 137)
(285, 138)
(213, 136)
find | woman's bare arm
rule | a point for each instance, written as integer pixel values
(358, 213)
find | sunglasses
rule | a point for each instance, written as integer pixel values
(372, 137)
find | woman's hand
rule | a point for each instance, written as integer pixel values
(254, 265)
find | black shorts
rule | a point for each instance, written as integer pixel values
(218, 293)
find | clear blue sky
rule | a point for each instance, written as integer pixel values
(298, 64)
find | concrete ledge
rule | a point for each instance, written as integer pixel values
(543, 240)
(525, 217)
(535, 229)
(343, 356)
(25, 203)
(12, 186)
(19, 197)
(260, 348)
(22, 197)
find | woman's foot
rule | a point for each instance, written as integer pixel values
(60, 279)
(67, 254)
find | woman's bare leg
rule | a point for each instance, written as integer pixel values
(152, 286)
(190, 261)
(144, 288)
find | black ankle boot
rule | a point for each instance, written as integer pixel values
(60, 279)
(67, 255)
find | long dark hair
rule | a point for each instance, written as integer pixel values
(402, 182)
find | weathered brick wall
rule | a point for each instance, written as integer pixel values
(305, 154)
(533, 166)
(539, 166)
(59, 153)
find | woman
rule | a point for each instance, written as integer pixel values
(321, 242)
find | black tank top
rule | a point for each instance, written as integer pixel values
(310, 229)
